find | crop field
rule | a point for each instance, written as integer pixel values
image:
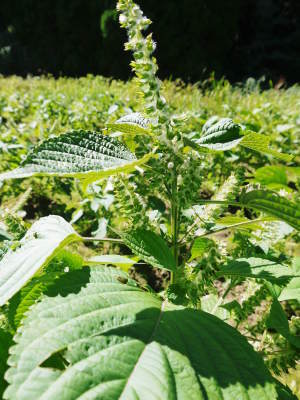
(149, 236)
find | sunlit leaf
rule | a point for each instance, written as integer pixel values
(117, 341)
(200, 247)
(40, 244)
(258, 142)
(80, 154)
(133, 124)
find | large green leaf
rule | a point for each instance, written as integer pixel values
(273, 204)
(150, 247)
(39, 284)
(40, 244)
(5, 343)
(257, 268)
(118, 342)
(81, 154)
(133, 124)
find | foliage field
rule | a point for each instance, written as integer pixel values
(37, 108)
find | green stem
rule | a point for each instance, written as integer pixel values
(228, 203)
(253, 221)
(92, 239)
(174, 220)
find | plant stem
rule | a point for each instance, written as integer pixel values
(225, 228)
(174, 220)
(253, 221)
(229, 203)
(92, 239)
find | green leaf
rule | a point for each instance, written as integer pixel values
(257, 268)
(222, 135)
(132, 124)
(116, 341)
(273, 204)
(258, 142)
(33, 290)
(271, 174)
(292, 290)
(5, 235)
(200, 246)
(277, 320)
(79, 154)
(151, 248)
(40, 244)
(5, 343)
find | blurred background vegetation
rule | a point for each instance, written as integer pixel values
(233, 38)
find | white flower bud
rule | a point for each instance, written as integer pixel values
(170, 165)
(122, 19)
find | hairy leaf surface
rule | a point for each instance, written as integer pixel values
(132, 124)
(258, 142)
(119, 342)
(80, 154)
(222, 135)
(41, 242)
(151, 248)
(273, 204)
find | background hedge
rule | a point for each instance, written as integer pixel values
(234, 38)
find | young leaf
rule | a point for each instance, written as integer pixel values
(258, 142)
(119, 342)
(200, 246)
(257, 268)
(40, 244)
(79, 154)
(132, 124)
(277, 320)
(222, 135)
(151, 248)
(273, 204)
